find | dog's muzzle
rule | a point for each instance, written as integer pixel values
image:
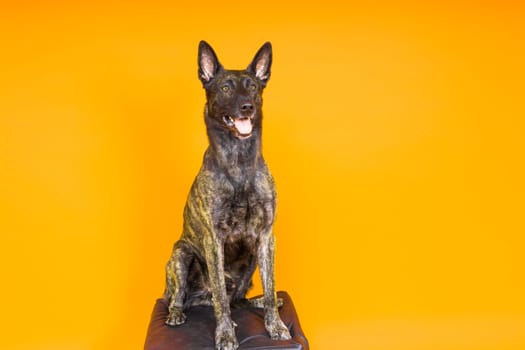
(243, 126)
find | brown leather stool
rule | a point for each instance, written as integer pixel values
(199, 330)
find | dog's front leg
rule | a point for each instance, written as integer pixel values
(176, 282)
(225, 338)
(265, 256)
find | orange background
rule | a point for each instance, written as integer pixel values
(394, 131)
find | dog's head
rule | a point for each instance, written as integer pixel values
(234, 96)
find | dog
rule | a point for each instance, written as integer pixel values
(229, 212)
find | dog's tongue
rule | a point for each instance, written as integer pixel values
(243, 126)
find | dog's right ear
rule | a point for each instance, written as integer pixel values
(209, 65)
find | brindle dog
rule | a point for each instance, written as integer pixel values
(230, 209)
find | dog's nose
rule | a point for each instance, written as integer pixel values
(247, 107)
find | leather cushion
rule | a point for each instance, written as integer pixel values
(198, 332)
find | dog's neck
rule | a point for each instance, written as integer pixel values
(237, 159)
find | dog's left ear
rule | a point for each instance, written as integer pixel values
(261, 63)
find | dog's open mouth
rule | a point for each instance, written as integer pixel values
(243, 126)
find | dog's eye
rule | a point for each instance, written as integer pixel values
(253, 87)
(225, 88)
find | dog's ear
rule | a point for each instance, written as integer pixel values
(261, 63)
(209, 65)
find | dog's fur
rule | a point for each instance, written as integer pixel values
(230, 209)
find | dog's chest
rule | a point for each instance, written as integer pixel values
(246, 210)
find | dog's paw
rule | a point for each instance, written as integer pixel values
(226, 341)
(225, 338)
(176, 317)
(278, 330)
